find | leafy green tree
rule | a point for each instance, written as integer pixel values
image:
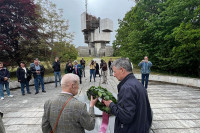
(18, 24)
(64, 51)
(165, 30)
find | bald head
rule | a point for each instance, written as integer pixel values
(70, 83)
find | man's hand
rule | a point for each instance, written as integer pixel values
(38, 72)
(107, 103)
(5, 78)
(93, 101)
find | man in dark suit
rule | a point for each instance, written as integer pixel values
(74, 118)
(132, 111)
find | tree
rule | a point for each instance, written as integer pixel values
(64, 51)
(167, 31)
(53, 25)
(18, 22)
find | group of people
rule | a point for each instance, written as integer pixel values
(94, 69)
(24, 75)
(66, 114)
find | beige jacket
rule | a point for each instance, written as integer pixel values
(74, 118)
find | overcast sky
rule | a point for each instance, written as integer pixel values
(113, 9)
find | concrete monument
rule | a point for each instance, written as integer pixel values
(97, 33)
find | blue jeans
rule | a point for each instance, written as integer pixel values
(23, 85)
(2, 89)
(36, 81)
(92, 72)
(59, 76)
(146, 78)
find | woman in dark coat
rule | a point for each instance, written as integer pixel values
(24, 76)
(69, 68)
(97, 69)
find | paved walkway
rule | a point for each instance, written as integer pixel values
(176, 108)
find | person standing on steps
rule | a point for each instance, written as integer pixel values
(92, 70)
(110, 66)
(4, 81)
(38, 73)
(77, 70)
(145, 70)
(57, 72)
(24, 76)
(104, 72)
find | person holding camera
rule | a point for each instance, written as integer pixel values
(24, 76)
(145, 70)
(4, 81)
(92, 70)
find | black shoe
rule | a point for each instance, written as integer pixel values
(44, 91)
(23, 94)
(36, 93)
(28, 92)
(90, 80)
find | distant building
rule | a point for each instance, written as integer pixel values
(97, 33)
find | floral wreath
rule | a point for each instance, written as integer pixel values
(102, 93)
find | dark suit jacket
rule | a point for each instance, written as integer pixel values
(33, 70)
(74, 118)
(132, 111)
(21, 74)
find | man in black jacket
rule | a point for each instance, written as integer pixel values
(24, 76)
(4, 78)
(56, 68)
(132, 111)
(38, 73)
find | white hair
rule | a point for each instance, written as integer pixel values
(69, 78)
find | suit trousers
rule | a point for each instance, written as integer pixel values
(104, 74)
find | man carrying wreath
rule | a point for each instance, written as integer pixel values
(132, 111)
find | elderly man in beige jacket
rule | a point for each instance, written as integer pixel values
(74, 117)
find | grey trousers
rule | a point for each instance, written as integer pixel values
(104, 75)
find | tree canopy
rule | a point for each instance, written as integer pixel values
(30, 29)
(168, 31)
(17, 25)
